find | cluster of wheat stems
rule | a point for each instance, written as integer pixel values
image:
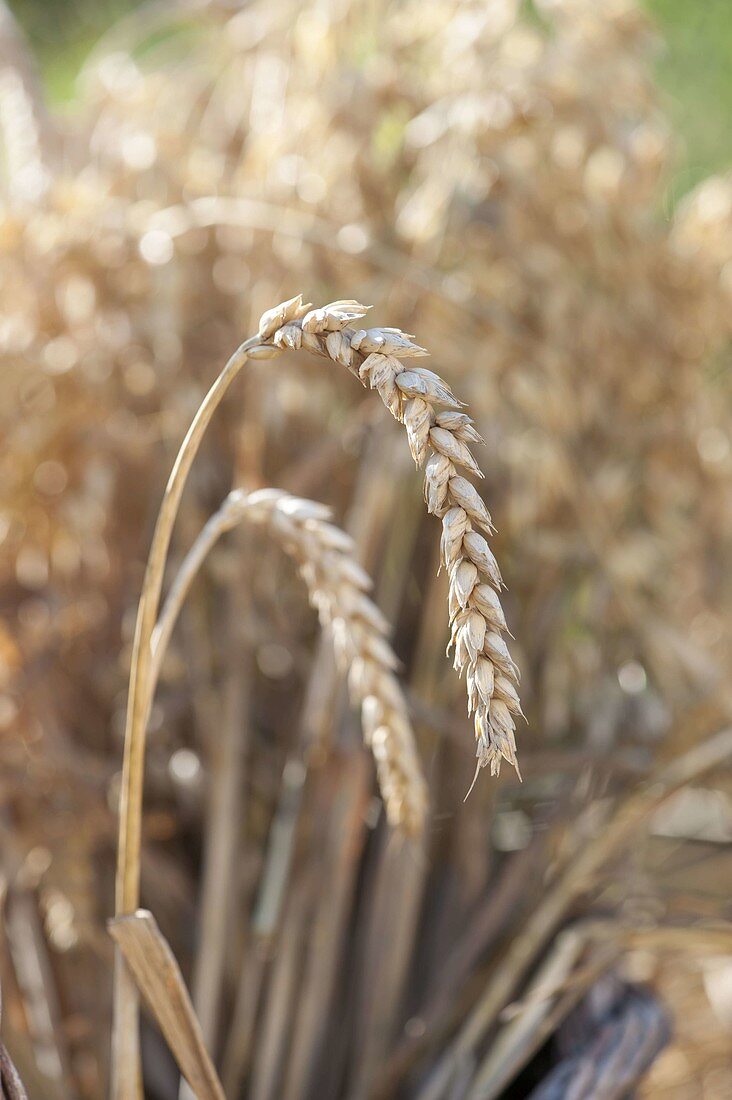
(337, 586)
(463, 165)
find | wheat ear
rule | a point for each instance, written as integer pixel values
(338, 588)
(439, 434)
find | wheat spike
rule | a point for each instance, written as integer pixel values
(338, 588)
(439, 434)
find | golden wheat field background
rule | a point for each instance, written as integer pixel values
(235, 848)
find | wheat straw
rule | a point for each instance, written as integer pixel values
(338, 589)
(126, 1073)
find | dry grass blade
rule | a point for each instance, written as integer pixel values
(339, 839)
(486, 927)
(35, 974)
(560, 982)
(226, 808)
(616, 1033)
(615, 836)
(158, 977)
(125, 1039)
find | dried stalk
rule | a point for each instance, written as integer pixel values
(30, 954)
(578, 877)
(338, 838)
(126, 1081)
(561, 980)
(317, 1050)
(158, 976)
(265, 923)
(487, 926)
(396, 893)
(281, 998)
(225, 812)
(613, 1036)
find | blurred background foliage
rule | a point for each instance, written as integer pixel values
(62, 32)
(693, 68)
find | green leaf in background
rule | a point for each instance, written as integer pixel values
(695, 75)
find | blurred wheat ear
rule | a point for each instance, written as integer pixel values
(338, 589)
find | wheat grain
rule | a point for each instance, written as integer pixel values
(338, 588)
(439, 434)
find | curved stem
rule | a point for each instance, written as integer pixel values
(125, 1054)
(189, 568)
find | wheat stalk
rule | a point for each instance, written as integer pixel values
(126, 1083)
(338, 588)
(439, 438)
(438, 433)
